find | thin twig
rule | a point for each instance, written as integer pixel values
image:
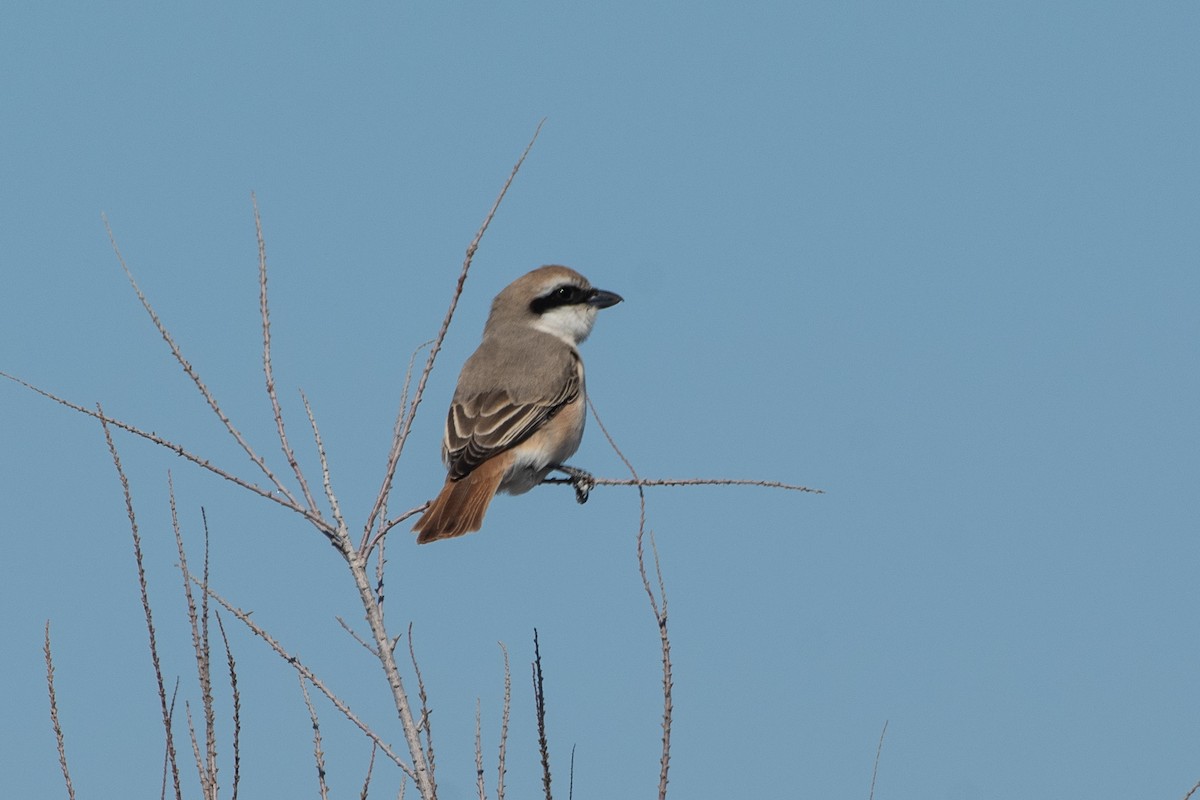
(205, 786)
(571, 777)
(141, 572)
(268, 370)
(177, 449)
(325, 480)
(425, 713)
(370, 769)
(167, 750)
(318, 756)
(237, 707)
(479, 784)
(660, 613)
(878, 753)
(691, 482)
(195, 376)
(539, 700)
(391, 523)
(1193, 790)
(402, 434)
(296, 664)
(208, 766)
(58, 732)
(354, 634)
(504, 723)
(397, 426)
(210, 721)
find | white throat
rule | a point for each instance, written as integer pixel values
(570, 323)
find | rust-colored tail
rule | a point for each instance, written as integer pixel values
(460, 506)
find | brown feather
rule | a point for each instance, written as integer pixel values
(460, 506)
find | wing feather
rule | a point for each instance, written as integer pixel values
(485, 424)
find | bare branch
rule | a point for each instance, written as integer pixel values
(1193, 790)
(504, 723)
(539, 700)
(141, 572)
(316, 726)
(660, 613)
(178, 450)
(391, 523)
(58, 732)
(167, 750)
(206, 788)
(296, 664)
(325, 481)
(199, 626)
(571, 776)
(690, 482)
(402, 434)
(354, 634)
(394, 452)
(268, 370)
(479, 784)
(370, 769)
(191, 372)
(425, 713)
(706, 482)
(878, 753)
(210, 722)
(237, 707)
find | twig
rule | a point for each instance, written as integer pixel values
(391, 523)
(393, 454)
(325, 480)
(316, 726)
(539, 699)
(660, 614)
(210, 722)
(205, 786)
(354, 634)
(370, 769)
(237, 708)
(1194, 789)
(878, 753)
(177, 449)
(191, 372)
(268, 370)
(402, 434)
(141, 572)
(58, 732)
(571, 777)
(167, 750)
(640, 482)
(504, 723)
(479, 784)
(425, 713)
(207, 765)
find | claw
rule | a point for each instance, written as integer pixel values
(581, 481)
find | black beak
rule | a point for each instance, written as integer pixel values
(602, 299)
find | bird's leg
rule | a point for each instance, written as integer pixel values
(580, 480)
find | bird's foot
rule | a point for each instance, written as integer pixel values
(581, 481)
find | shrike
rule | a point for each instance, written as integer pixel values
(519, 407)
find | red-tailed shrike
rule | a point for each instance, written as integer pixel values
(519, 407)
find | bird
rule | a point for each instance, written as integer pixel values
(518, 409)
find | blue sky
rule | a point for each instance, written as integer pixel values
(940, 260)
